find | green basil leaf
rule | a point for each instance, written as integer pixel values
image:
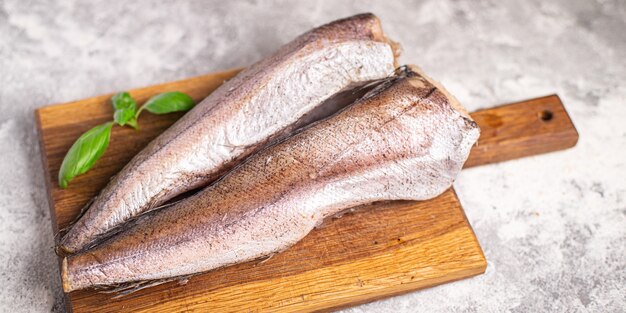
(125, 116)
(168, 102)
(123, 100)
(125, 109)
(84, 153)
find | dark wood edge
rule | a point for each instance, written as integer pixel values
(569, 119)
(46, 168)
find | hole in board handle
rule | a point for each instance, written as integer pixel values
(546, 115)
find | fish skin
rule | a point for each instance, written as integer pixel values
(263, 103)
(405, 140)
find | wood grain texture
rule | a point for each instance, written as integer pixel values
(522, 129)
(376, 251)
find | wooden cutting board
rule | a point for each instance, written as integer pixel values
(377, 251)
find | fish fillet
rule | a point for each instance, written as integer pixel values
(263, 103)
(405, 139)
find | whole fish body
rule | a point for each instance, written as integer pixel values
(263, 103)
(406, 139)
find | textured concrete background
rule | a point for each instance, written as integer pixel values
(553, 227)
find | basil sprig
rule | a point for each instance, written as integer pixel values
(90, 146)
(125, 109)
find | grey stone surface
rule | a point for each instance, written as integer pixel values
(553, 227)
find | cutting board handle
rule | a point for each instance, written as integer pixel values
(522, 129)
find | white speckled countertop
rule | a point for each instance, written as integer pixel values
(553, 227)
